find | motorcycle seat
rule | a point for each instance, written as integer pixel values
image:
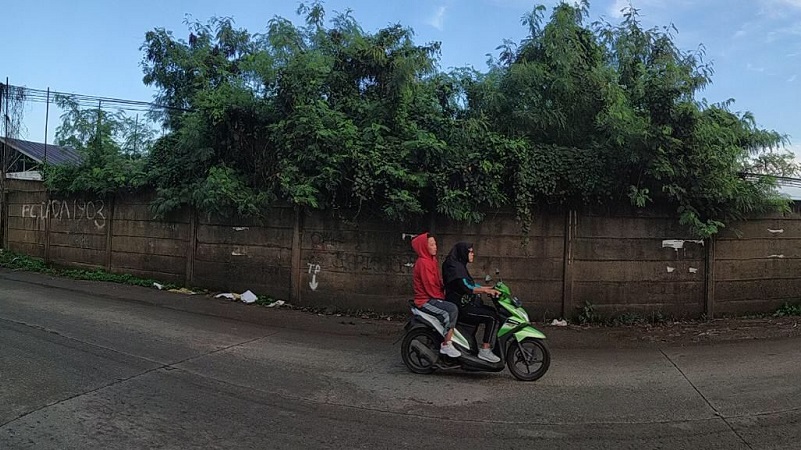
(431, 320)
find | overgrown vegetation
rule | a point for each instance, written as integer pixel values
(588, 315)
(329, 116)
(113, 145)
(15, 261)
(788, 310)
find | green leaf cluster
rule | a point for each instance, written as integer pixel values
(113, 147)
(325, 115)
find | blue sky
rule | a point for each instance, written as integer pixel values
(92, 46)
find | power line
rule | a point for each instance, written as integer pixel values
(40, 96)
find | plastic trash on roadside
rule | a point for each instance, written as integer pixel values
(183, 291)
(158, 286)
(248, 297)
(559, 323)
(276, 303)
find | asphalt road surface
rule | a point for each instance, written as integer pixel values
(87, 365)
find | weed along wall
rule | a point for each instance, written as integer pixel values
(571, 263)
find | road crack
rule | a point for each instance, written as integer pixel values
(709, 403)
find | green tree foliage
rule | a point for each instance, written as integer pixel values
(113, 147)
(326, 115)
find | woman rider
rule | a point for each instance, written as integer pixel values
(460, 289)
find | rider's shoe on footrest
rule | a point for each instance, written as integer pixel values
(450, 350)
(487, 355)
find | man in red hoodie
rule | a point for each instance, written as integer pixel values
(429, 292)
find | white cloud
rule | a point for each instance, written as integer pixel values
(437, 20)
(525, 5)
(654, 9)
(754, 68)
(792, 78)
(746, 29)
(616, 10)
(777, 9)
(792, 31)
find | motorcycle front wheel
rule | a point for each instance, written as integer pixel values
(420, 350)
(529, 359)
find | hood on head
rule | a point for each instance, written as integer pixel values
(461, 251)
(420, 245)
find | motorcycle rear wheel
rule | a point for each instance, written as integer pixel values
(530, 364)
(413, 358)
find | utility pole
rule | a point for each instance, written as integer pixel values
(3, 157)
(47, 118)
(97, 135)
(6, 118)
(136, 128)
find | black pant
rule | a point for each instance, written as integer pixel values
(478, 314)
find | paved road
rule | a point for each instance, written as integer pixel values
(93, 366)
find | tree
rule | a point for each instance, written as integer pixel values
(112, 147)
(325, 115)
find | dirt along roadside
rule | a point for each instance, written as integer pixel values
(390, 327)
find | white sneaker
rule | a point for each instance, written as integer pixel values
(487, 355)
(450, 350)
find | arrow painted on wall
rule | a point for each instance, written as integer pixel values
(314, 269)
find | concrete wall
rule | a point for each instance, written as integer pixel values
(638, 263)
(532, 265)
(758, 264)
(238, 255)
(144, 247)
(622, 261)
(24, 228)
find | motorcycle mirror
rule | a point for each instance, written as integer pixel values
(487, 278)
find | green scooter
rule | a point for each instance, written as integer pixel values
(520, 346)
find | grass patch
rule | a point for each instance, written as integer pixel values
(788, 310)
(16, 261)
(589, 315)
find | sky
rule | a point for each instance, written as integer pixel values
(93, 46)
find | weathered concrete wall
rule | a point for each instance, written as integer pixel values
(24, 218)
(145, 247)
(237, 255)
(532, 265)
(618, 262)
(636, 263)
(355, 265)
(758, 264)
(78, 230)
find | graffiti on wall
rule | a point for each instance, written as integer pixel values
(77, 210)
(314, 269)
(334, 240)
(356, 262)
(326, 240)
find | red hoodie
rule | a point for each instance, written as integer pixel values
(427, 278)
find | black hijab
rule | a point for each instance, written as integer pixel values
(455, 265)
